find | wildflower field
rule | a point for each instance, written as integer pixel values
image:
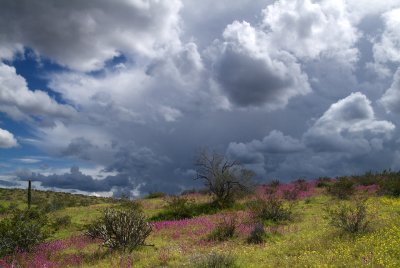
(305, 239)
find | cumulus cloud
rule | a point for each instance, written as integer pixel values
(387, 49)
(19, 102)
(180, 82)
(310, 29)
(391, 98)
(251, 72)
(274, 143)
(359, 9)
(7, 139)
(348, 125)
(161, 89)
(259, 155)
(92, 32)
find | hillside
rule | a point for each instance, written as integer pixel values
(304, 239)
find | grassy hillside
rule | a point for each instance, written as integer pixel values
(305, 240)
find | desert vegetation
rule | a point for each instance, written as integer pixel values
(334, 222)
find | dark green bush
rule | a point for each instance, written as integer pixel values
(12, 207)
(131, 204)
(155, 195)
(351, 218)
(120, 229)
(323, 182)
(23, 230)
(215, 260)
(185, 210)
(180, 207)
(367, 179)
(257, 235)
(224, 230)
(177, 208)
(301, 185)
(271, 209)
(3, 209)
(62, 221)
(389, 183)
(342, 188)
(274, 183)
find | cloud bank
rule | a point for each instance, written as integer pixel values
(290, 88)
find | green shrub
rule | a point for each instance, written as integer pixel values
(120, 229)
(257, 235)
(62, 221)
(342, 188)
(12, 207)
(3, 209)
(301, 185)
(323, 182)
(271, 209)
(180, 209)
(131, 204)
(214, 260)
(274, 183)
(367, 179)
(155, 195)
(224, 230)
(177, 208)
(351, 218)
(389, 183)
(23, 230)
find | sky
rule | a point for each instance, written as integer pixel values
(109, 97)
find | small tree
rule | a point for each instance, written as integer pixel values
(224, 178)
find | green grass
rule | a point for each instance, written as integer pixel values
(310, 243)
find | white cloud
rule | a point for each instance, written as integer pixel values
(83, 36)
(311, 29)
(348, 125)
(391, 98)
(170, 114)
(387, 49)
(7, 139)
(28, 160)
(19, 102)
(359, 9)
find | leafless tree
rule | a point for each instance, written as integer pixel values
(223, 177)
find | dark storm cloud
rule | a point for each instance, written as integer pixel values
(345, 138)
(252, 73)
(8, 183)
(135, 160)
(79, 147)
(268, 82)
(249, 81)
(75, 179)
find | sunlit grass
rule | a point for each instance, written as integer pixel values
(306, 241)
